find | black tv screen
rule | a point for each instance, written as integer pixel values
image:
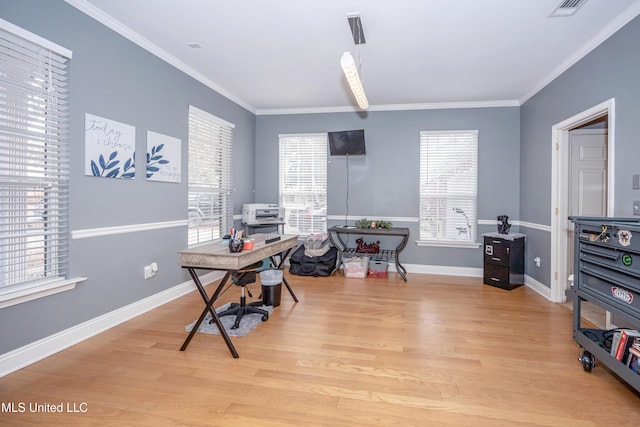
(347, 143)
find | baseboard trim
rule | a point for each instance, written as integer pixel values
(38, 350)
(539, 287)
(444, 270)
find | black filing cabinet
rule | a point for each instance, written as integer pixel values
(504, 260)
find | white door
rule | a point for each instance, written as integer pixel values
(587, 178)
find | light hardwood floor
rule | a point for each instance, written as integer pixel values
(353, 352)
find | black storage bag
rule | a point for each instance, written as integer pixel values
(302, 265)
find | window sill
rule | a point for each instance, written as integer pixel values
(22, 293)
(450, 244)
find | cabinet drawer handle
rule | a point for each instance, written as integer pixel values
(495, 280)
(496, 259)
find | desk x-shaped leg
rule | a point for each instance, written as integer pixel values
(280, 265)
(209, 308)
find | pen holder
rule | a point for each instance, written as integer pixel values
(236, 245)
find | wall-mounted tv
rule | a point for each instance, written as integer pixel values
(347, 143)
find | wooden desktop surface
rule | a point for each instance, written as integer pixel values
(216, 256)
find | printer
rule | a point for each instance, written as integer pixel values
(262, 214)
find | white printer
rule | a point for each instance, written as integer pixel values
(262, 214)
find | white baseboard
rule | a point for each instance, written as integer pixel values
(540, 288)
(38, 350)
(440, 269)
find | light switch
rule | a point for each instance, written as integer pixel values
(636, 182)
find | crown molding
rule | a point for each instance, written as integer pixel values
(390, 107)
(97, 14)
(623, 19)
(100, 16)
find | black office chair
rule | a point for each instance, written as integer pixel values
(242, 278)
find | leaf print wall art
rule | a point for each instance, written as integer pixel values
(163, 158)
(110, 148)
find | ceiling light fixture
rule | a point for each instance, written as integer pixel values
(349, 65)
(353, 78)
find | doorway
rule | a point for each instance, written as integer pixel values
(579, 186)
(587, 182)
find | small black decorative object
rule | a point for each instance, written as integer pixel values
(503, 224)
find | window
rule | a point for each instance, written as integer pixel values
(34, 165)
(303, 183)
(448, 187)
(210, 194)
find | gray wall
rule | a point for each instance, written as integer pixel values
(609, 71)
(114, 78)
(384, 183)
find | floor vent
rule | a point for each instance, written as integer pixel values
(568, 7)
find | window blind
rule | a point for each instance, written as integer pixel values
(210, 206)
(448, 186)
(303, 182)
(34, 162)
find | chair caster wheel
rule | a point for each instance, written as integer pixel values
(587, 360)
(265, 317)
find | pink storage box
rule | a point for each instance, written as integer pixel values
(356, 267)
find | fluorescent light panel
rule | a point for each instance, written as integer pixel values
(353, 78)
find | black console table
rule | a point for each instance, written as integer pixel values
(392, 254)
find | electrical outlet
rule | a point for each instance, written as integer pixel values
(636, 207)
(150, 270)
(537, 261)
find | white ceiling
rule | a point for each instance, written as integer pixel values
(274, 56)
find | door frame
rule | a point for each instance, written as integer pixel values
(560, 187)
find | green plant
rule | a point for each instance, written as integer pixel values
(366, 223)
(383, 224)
(363, 223)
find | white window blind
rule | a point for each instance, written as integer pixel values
(210, 188)
(34, 162)
(303, 183)
(448, 186)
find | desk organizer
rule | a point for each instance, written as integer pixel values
(236, 245)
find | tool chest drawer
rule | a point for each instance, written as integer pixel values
(608, 264)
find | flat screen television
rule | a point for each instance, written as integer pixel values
(347, 143)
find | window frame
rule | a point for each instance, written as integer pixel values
(35, 171)
(460, 221)
(210, 189)
(311, 192)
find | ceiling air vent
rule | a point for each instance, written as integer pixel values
(356, 29)
(567, 7)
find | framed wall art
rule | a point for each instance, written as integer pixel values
(163, 158)
(110, 148)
